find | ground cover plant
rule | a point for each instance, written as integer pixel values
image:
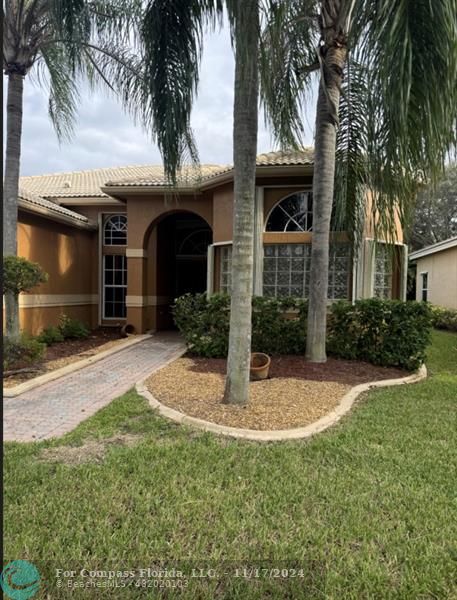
(366, 509)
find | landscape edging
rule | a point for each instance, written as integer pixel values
(12, 392)
(321, 424)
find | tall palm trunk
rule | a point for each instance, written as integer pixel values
(244, 151)
(10, 188)
(333, 53)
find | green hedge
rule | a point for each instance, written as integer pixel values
(204, 323)
(383, 332)
(444, 318)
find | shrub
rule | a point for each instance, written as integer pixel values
(204, 323)
(50, 335)
(72, 329)
(26, 348)
(444, 318)
(21, 275)
(278, 325)
(383, 332)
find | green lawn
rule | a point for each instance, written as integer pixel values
(366, 510)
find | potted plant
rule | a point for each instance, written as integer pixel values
(260, 366)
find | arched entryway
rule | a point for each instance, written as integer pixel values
(181, 260)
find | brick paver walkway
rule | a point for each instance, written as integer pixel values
(60, 405)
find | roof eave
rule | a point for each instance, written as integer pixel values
(122, 192)
(438, 247)
(54, 216)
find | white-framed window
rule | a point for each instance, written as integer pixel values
(286, 270)
(226, 269)
(114, 286)
(424, 286)
(382, 286)
(115, 231)
(292, 213)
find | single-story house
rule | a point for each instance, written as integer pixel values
(119, 244)
(436, 273)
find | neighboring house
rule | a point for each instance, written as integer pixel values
(119, 244)
(436, 273)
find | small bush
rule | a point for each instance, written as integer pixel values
(72, 329)
(278, 325)
(444, 318)
(383, 332)
(21, 275)
(25, 349)
(50, 335)
(204, 323)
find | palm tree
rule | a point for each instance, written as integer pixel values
(380, 123)
(63, 40)
(172, 36)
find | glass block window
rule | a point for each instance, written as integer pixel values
(339, 268)
(286, 270)
(382, 287)
(226, 269)
(114, 286)
(293, 213)
(115, 231)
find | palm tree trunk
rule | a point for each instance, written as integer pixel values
(334, 58)
(10, 189)
(244, 151)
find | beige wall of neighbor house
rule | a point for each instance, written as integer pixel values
(438, 273)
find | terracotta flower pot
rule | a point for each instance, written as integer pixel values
(260, 366)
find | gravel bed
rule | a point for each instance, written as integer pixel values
(296, 394)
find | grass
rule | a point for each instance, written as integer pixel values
(367, 509)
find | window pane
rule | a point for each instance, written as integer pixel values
(291, 275)
(293, 213)
(115, 231)
(115, 286)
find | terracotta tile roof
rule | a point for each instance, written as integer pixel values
(84, 184)
(188, 176)
(192, 176)
(29, 200)
(305, 156)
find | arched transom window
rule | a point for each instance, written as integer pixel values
(115, 231)
(292, 213)
(195, 243)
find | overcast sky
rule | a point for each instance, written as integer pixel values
(106, 137)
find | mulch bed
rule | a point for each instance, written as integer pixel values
(64, 353)
(296, 394)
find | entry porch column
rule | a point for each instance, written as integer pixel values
(136, 299)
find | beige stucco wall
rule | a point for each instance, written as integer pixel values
(442, 277)
(66, 254)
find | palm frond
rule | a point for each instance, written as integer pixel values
(410, 52)
(172, 37)
(350, 168)
(63, 90)
(287, 58)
